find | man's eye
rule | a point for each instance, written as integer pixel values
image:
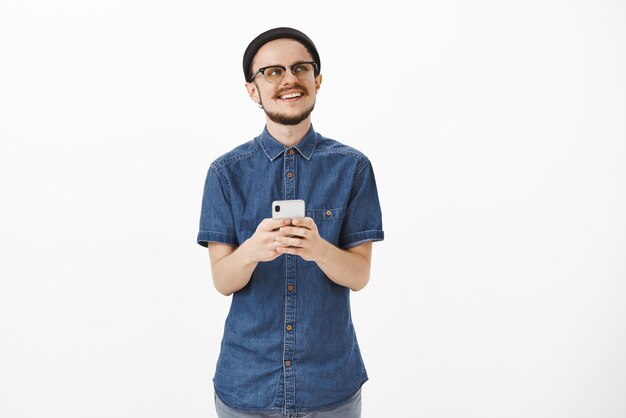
(274, 72)
(300, 68)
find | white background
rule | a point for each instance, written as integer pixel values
(497, 133)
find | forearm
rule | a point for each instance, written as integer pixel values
(343, 267)
(233, 272)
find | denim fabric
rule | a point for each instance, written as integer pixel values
(351, 408)
(315, 364)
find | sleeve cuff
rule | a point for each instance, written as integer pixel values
(204, 237)
(352, 240)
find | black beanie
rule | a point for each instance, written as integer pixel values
(278, 33)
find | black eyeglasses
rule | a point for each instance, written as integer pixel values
(275, 73)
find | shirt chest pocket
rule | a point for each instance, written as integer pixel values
(328, 222)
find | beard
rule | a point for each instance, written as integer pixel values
(283, 119)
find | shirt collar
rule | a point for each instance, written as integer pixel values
(273, 148)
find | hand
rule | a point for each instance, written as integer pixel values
(261, 246)
(308, 243)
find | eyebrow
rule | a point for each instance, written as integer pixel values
(280, 65)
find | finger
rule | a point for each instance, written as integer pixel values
(287, 241)
(304, 222)
(287, 250)
(296, 242)
(273, 224)
(290, 230)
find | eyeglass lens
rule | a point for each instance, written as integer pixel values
(273, 74)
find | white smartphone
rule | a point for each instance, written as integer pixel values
(282, 209)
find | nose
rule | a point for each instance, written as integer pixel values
(289, 77)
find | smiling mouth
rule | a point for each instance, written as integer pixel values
(290, 96)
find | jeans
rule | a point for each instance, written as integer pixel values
(349, 409)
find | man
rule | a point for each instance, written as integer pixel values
(289, 346)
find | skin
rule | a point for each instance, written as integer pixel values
(284, 52)
(231, 266)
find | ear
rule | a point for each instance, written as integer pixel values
(253, 92)
(318, 82)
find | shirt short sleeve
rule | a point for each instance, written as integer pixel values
(363, 219)
(216, 217)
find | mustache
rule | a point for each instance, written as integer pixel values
(295, 86)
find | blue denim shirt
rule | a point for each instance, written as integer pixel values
(289, 345)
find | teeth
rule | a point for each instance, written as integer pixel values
(291, 95)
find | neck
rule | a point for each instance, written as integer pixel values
(288, 135)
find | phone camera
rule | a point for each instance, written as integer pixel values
(277, 208)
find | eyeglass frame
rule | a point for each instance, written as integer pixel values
(284, 67)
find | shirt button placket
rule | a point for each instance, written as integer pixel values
(289, 368)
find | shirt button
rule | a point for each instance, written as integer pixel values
(290, 152)
(289, 175)
(287, 363)
(289, 327)
(328, 213)
(290, 288)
